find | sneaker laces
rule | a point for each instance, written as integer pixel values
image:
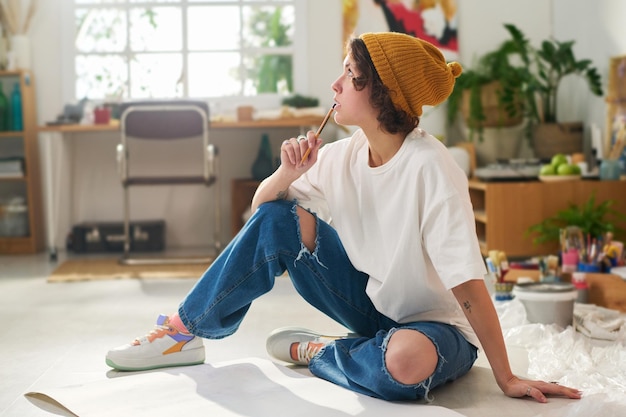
(157, 332)
(306, 351)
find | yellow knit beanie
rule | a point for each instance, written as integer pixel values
(415, 71)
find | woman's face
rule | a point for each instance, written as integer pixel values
(352, 105)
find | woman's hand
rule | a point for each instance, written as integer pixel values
(480, 312)
(292, 166)
(516, 387)
(292, 152)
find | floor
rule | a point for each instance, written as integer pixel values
(57, 334)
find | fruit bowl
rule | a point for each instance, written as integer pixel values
(555, 178)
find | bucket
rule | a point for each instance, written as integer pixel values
(548, 303)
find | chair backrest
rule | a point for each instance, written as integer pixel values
(164, 119)
(168, 141)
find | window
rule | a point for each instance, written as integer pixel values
(183, 48)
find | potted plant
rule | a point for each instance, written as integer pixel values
(593, 220)
(489, 94)
(543, 70)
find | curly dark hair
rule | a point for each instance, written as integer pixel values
(392, 119)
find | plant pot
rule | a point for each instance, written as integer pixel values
(495, 114)
(552, 138)
(498, 144)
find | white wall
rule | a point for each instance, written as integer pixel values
(597, 27)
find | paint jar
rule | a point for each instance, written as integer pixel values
(588, 267)
(569, 261)
(504, 291)
(610, 169)
(102, 115)
(582, 288)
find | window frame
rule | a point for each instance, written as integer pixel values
(263, 100)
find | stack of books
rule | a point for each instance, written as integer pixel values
(12, 167)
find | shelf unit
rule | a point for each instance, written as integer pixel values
(503, 211)
(24, 144)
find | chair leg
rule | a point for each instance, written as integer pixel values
(127, 259)
(126, 223)
(218, 217)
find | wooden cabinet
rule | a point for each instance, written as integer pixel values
(505, 210)
(20, 190)
(242, 191)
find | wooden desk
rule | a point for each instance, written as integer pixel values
(57, 154)
(300, 122)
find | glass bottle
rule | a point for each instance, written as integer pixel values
(263, 165)
(4, 110)
(17, 123)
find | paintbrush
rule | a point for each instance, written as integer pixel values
(317, 134)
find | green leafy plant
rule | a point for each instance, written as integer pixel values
(530, 78)
(299, 101)
(543, 70)
(493, 69)
(593, 220)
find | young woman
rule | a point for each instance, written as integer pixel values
(376, 231)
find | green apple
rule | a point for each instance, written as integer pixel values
(558, 159)
(547, 169)
(567, 169)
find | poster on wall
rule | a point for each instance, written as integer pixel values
(432, 20)
(614, 146)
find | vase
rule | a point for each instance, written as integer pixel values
(263, 165)
(498, 144)
(20, 51)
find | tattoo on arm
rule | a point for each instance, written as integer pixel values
(467, 306)
(281, 195)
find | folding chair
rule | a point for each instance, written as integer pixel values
(184, 122)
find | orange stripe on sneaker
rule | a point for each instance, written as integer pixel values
(175, 348)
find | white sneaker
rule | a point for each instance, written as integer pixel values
(296, 345)
(163, 347)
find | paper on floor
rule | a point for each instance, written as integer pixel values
(249, 387)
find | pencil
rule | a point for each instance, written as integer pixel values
(319, 131)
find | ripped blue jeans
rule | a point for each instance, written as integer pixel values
(268, 245)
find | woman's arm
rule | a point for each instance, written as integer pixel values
(272, 188)
(481, 314)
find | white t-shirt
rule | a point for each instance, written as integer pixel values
(408, 224)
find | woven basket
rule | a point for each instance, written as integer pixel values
(495, 114)
(552, 138)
